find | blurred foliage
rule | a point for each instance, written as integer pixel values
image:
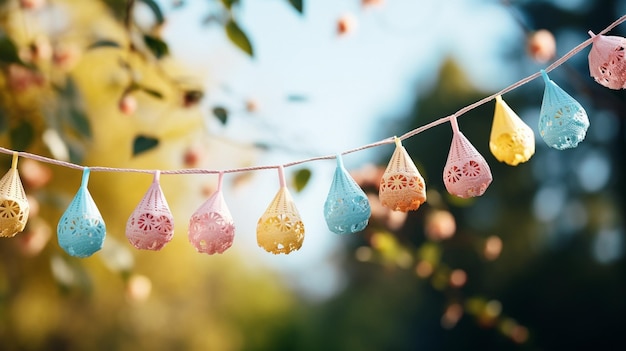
(489, 273)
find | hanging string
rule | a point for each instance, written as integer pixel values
(385, 141)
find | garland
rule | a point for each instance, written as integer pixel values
(563, 124)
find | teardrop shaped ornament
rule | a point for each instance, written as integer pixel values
(151, 225)
(280, 229)
(211, 227)
(512, 141)
(466, 173)
(346, 209)
(402, 187)
(607, 61)
(563, 122)
(14, 206)
(81, 230)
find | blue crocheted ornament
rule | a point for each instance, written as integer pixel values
(81, 229)
(346, 209)
(563, 121)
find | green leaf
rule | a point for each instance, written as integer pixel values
(74, 112)
(143, 143)
(151, 92)
(22, 136)
(158, 47)
(4, 125)
(221, 114)
(80, 122)
(296, 98)
(158, 14)
(229, 3)
(301, 178)
(8, 51)
(238, 37)
(104, 43)
(298, 5)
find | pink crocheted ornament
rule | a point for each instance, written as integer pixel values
(14, 207)
(466, 173)
(211, 227)
(402, 187)
(511, 141)
(151, 225)
(607, 64)
(280, 228)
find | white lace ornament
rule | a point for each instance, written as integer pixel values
(280, 228)
(14, 207)
(151, 225)
(211, 227)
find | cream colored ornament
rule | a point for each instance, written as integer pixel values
(511, 141)
(402, 187)
(280, 228)
(14, 207)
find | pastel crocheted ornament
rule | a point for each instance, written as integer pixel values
(512, 141)
(14, 207)
(81, 230)
(563, 122)
(466, 173)
(607, 64)
(280, 228)
(346, 208)
(151, 225)
(402, 187)
(211, 227)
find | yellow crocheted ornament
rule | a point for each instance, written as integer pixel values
(512, 141)
(280, 228)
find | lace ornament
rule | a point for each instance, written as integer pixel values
(81, 230)
(346, 208)
(511, 141)
(607, 64)
(211, 227)
(563, 122)
(280, 228)
(151, 225)
(402, 187)
(14, 207)
(466, 173)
